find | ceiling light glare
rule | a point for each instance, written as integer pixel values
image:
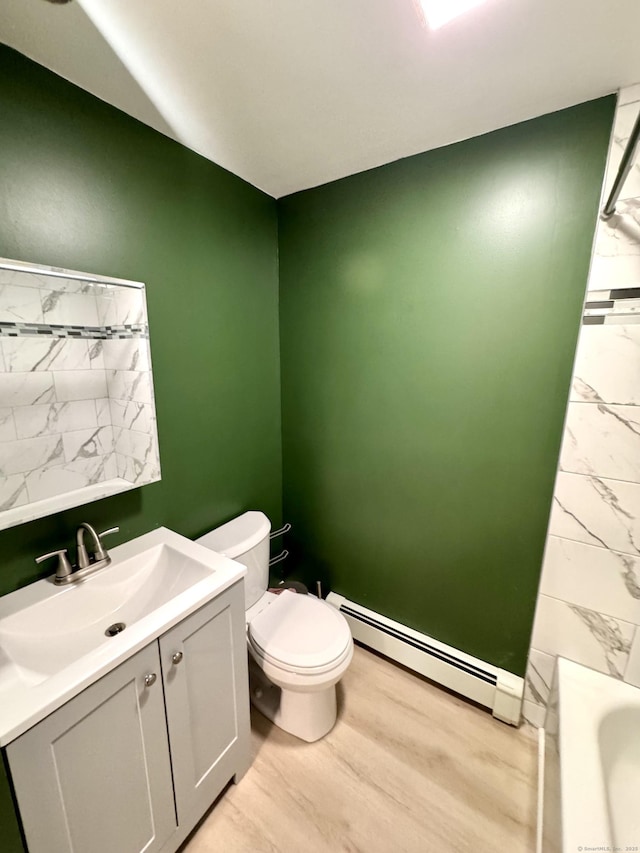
(440, 12)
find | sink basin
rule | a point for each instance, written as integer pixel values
(56, 640)
(47, 636)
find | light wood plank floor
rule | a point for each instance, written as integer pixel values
(408, 768)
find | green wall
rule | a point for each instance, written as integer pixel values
(84, 186)
(429, 311)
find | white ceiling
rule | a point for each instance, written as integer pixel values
(290, 94)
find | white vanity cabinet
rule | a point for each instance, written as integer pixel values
(135, 760)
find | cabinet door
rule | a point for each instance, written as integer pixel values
(95, 776)
(204, 661)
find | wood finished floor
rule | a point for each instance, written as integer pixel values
(408, 768)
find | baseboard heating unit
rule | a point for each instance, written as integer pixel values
(485, 684)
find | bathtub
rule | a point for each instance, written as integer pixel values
(589, 785)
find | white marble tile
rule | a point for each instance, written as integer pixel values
(126, 354)
(135, 471)
(110, 466)
(622, 126)
(45, 353)
(615, 271)
(597, 511)
(625, 308)
(70, 285)
(69, 309)
(598, 295)
(26, 389)
(582, 635)
(621, 319)
(103, 412)
(602, 440)
(122, 306)
(21, 279)
(13, 492)
(629, 94)
(538, 677)
(44, 280)
(632, 672)
(45, 483)
(122, 441)
(141, 445)
(592, 577)
(85, 443)
(132, 415)
(53, 418)
(16, 457)
(620, 234)
(80, 384)
(616, 260)
(121, 465)
(607, 368)
(7, 425)
(96, 353)
(130, 385)
(533, 714)
(20, 304)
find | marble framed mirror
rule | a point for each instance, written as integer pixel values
(77, 410)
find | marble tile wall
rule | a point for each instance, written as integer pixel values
(588, 606)
(76, 395)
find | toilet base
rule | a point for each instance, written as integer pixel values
(308, 716)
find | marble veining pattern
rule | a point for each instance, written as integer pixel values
(33, 421)
(608, 633)
(538, 678)
(13, 492)
(602, 440)
(74, 361)
(582, 635)
(588, 605)
(7, 425)
(596, 578)
(597, 511)
(35, 354)
(632, 672)
(607, 368)
(26, 389)
(20, 456)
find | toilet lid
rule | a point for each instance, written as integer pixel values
(300, 631)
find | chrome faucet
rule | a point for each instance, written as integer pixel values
(87, 562)
(99, 554)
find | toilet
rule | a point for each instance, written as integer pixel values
(299, 646)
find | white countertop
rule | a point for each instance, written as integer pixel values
(27, 696)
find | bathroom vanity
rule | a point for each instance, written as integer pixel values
(125, 747)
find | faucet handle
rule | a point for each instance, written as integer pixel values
(100, 553)
(64, 566)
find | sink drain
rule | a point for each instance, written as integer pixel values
(116, 628)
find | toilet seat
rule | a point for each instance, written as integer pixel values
(300, 634)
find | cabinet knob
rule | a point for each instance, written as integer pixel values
(176, 657)
(150, 679)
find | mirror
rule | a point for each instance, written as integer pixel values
(77, 411)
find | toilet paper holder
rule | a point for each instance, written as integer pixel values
(281, 531)
(281, 556)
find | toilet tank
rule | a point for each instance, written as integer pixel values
(245, 539)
